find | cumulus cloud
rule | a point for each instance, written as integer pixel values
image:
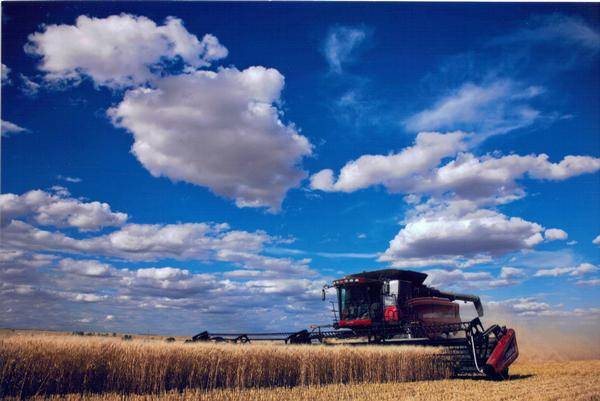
(582, 269)
(81, 297)
(476, 281)
(168, 282)
(9, 128)
(493, 179)
(221, 130)
(553, 234)
(396, 170)
(5, 72)
(341, 44)
(454, 233)
(38, 288)
(488, 109)
(138, 296)
(91, 268)
(289, 287)
(56, 210)
(209, 242)
(488, 179)
(119, 50)
(457, 278)
(534, 307)
(508, 276)
(18, 268)
(596, 240)
(138, 241)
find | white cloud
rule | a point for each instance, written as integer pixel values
(5, 72)
(244, 274)
(138, 296)
(553, 234)
(60, 191)
(280, 267)
(169, 282)
(285, 287)
(395, 171)
(493, 179)
(521, 306)
(69, 179)
(12, 257)
(453, 233)
(28, 86)
(91, 268)
(55, 210)
(341, 44)
(9, 128)
(220, 130)
(207, 242)
(466, 280)
(596, 240)
(120, 50)
(508, 276)
(178, 241)
(488, 109)
(582, 269)
(511, 273)
(82, 297)
(457, 278)
(591, 282)
(41, 289)
(489, 179)
(533, 307)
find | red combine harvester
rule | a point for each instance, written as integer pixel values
(394, 307)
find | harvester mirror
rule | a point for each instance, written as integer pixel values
(323, 293)
(385, 289)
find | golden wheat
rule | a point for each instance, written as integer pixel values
(39, 365)
(568, 381)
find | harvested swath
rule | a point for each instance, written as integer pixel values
(43, 366)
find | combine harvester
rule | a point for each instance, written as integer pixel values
(394, 307)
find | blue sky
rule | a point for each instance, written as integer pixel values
(166, 166)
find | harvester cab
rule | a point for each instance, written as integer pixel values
(393, 297)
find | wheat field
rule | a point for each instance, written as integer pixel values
(57, 367)
(549, 381)
(46, 365)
